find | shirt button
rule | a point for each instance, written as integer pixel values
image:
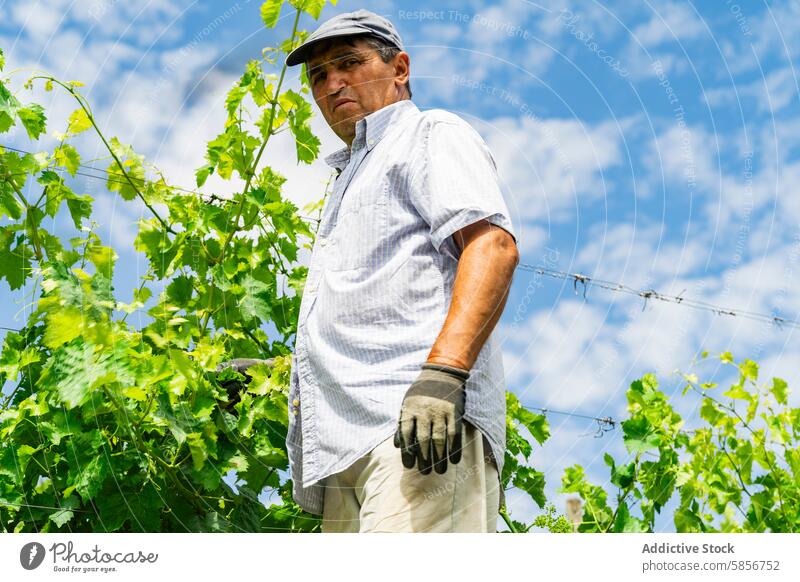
(295, 402)
(295, 412)
(323, 242)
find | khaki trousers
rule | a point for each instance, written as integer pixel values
(378, 494)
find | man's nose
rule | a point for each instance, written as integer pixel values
(334, 82)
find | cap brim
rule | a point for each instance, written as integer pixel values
(300, 54)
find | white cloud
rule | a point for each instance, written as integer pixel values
(775, 31)
(736, 176)
(144, 24)
(478, 41)
(534, 60)
(647, 64)
(39, 19)
(778, 90)
(685, 155)
(769, 95)
(432, 72)
(547, 165)
(531, 239)
(638, 255)
(760, 33)
(671, 22)
(553, 357)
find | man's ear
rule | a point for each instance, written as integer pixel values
(402, 68)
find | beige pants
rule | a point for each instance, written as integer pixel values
(378, 494)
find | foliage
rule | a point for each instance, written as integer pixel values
(740, 472)
(516, 472)
(113, 428)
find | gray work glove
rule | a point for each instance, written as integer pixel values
(430, 426)
(235, 387)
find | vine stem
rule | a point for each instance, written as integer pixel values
(623, 498)
(207, 315)
(620, 501)
(507, 519)
(270, 133)
(736, 469)
(272, 244)
(250, 174)
(734, 465)
(591, 510)
(141, 287)
(151, 455)
(55, 154)
(37, 245)
(255, 340)
(87, 110)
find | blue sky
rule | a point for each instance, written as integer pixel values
(653, 144)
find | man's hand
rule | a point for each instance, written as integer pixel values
(235, 387)
(242, 364)
(431, 418)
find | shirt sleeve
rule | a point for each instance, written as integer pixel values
(456, 184)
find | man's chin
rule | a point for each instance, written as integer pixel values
(348, 112)
(346, 122)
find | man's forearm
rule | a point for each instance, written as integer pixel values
(480, 291)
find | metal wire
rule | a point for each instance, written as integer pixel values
(648, 294)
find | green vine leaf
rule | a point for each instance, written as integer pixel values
(640, 435)
(78, 122)
(270, 12)
(33, 119)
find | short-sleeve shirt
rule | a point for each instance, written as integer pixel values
(379, 288)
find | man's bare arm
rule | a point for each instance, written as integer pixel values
(483, 279)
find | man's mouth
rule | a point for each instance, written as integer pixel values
(342, 102)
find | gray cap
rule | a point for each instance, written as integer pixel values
(358, 22)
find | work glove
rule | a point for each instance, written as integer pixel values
(235, 387)
(431, 417)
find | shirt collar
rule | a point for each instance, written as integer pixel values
(370, 130)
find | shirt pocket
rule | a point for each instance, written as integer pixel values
(359, 238)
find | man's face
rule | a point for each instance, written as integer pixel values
(350, 82)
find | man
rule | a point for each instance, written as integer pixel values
(397, 398)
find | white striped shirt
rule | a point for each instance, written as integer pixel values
(379, 287)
